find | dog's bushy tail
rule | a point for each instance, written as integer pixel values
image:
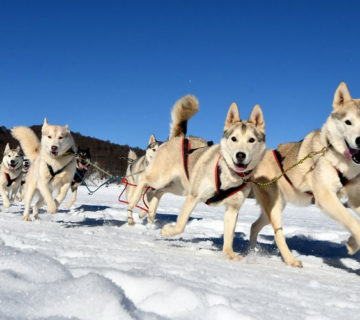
(182, 111)
(29, 142)
(132, 156)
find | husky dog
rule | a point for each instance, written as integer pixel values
(52, 165)
(216, 175)
(135, 169)
(82, 163)
(25, 169)
(323, 180)
(10, 174)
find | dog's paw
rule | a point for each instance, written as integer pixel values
(26, 218)
(142, 214)
(51, 208)
(168, 230)
(229, 254)
(352, 246)
(295, 263)
(131, 221)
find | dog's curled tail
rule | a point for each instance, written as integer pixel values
(182, 111)
(132, 156)
(29, 142)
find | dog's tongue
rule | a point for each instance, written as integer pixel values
(83, 166)
(240, 167)
(11, 168)
(352, 154)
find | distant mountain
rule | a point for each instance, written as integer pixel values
(109, 156)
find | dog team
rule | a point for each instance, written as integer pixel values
(325, 169)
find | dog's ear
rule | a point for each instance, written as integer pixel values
(45, 122)
(7, 148)
(257, 117)
(152, 139)
(232, 117)
(342, 95)
(18, 148)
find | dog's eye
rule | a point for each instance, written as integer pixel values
(60, 138)
(154, 150)
(49, 137)
(233, 139)
(348, 122)
(251, 140)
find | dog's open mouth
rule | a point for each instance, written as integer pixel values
(240, 167)
(12, 167)
(353, 154)
(54, 153)
(82, 166)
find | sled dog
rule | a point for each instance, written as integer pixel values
(323, 179)
(82, 166)
(216, 175)
(10, 174)
(52, 165)
(25, 169)
(135, 169)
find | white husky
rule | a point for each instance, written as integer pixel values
(216, 175)
(10, 174)
(52, 165)
(324, 179)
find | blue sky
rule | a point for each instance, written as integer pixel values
(113, 69)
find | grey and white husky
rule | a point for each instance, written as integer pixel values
(323, 179)
(10, 174)
(216, 175)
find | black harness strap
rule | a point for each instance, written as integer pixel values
(9, 180)
(185, 152)
(279, 159)
(55, 173)
(223, 194)
(344, 181)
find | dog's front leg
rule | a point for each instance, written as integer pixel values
(230, 219)
(154, 202)
(46, 193)
(169, 230)
(73, 197)
(4, 196)
(336, 210)
(62, 193)
(135, 197)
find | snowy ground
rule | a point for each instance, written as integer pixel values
(87, 263)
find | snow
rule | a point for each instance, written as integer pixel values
(87, 263)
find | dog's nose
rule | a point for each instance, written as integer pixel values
(12, 162)
(240, 156)
(54, 148)
(357, 141)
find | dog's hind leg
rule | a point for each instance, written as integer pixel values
(62, 193)
(39, 203)
(256, 227)
(153, 205)
(169, 230)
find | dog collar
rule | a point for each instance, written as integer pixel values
(9, 180)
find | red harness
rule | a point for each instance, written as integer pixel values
(223, 194)
(9, 180)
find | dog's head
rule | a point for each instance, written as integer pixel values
(343, 126)
(26, 165)
(13, 158)
(152, 147)
(56, 140)
(243, 142)
(83, 159)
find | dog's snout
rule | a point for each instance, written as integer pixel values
(357, 141)
(54, 148)
(240, 156)
(12, 162)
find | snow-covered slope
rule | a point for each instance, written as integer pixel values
(87, 263)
